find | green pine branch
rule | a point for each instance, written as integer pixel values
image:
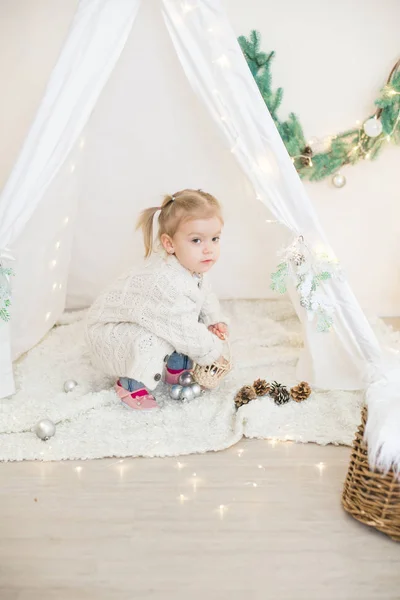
(347, 148)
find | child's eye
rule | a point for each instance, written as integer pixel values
(216, 239)
(196, 240)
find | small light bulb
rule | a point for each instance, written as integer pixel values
(54, 286)
(186, 7)
(53, 263)
(222, 61)
(265, 165)
(78, 469)
(66, 220)
(235, 145)
(58, 244)
(48, 315)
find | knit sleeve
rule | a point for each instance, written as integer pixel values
(176, 321)
(211, 310)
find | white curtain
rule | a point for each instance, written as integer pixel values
(216, 68)
(97, 37)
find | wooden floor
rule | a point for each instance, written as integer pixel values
(259, 521)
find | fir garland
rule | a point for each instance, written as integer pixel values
(346, 148)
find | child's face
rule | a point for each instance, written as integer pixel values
(196, 244)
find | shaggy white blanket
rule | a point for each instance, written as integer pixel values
(92, 422)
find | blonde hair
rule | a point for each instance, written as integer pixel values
(181, 206)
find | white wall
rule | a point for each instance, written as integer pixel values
(331, 60)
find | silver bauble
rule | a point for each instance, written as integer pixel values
(187, 393)
(175, 391)
(339, 180)
(186, 378)
(70, 385)
(373, 127)
(196, 388)
(45, 429)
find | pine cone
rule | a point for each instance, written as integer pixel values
(306, 156)
(244, 395)
(279, 393)
(300, 392)
(298, 258)
(261, 387)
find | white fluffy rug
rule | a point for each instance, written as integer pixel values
(92, 422)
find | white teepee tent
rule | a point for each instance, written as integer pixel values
(41, 188)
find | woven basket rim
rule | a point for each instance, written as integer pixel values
(371, 496)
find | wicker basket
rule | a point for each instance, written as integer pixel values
(210, 377)
(370, 496)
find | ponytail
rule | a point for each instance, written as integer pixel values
(145, 223)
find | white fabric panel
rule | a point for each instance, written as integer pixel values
(98, 34)
(214, 64)
(43, 256)
(97, 37)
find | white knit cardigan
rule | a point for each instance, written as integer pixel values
(145, 315)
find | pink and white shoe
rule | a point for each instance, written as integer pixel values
(172, 378)
(138, 400)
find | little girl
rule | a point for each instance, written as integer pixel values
(164, 315)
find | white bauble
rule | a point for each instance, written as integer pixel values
(339, 180)
(196, 389)
(45, 429)
(187, 393)
(70, 385)
(373, 127)
(175, 392)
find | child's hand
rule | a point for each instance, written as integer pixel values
(220, 330)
